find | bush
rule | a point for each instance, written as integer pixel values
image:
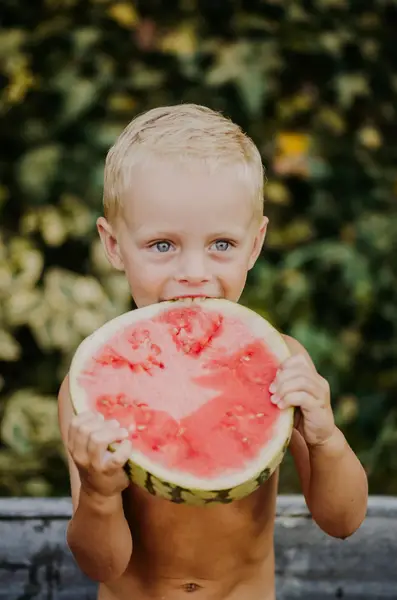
(311, 81)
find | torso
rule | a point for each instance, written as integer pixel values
(217, 552)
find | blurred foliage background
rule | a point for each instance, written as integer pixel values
(314, 82)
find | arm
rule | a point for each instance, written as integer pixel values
(333, 480)
(334, 483)
(98, 534)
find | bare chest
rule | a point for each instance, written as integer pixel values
(204, 542)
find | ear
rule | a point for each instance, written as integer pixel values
(258, 242)
(110, 243)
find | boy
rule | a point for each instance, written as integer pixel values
(183, 196)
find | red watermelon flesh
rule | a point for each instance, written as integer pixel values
(191, 386)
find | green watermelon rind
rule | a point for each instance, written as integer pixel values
(182, 495)
(182, 488)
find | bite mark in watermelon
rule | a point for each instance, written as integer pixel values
(190, 381)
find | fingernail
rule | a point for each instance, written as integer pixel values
(123, 431)
(272, 387)
(275, 399)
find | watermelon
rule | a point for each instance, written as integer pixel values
(189, 379)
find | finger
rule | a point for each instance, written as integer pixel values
(299, 383)
(291, 375)
(85, 417)
(117, 459)
(297, 360)
(295, 370)
(304, 400)
(307, 380)
(100, 440)
(80, 423)
(80, 438)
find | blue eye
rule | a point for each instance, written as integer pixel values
(162, 246)
(222, 245)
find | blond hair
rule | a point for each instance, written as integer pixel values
(182, 132)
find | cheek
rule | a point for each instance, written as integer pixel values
(240, 264)
(144, 273)
(234, 273)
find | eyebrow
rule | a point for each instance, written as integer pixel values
(153, 233)
(229, 233)
(156, 233)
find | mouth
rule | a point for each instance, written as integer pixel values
(187, 298)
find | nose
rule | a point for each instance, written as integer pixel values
(192, 270)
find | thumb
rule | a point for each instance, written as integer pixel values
(118, 458)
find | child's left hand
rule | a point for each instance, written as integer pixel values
(298, 384)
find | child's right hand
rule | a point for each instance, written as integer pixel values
(101, 471)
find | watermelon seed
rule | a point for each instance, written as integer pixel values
(257, 379)
(244, 440)
(180, 431)
(259, 415)
(147, 368)
(104, 401)
(153, 360)
(141, 427)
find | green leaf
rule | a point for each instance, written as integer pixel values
(30, 422)
(10, 350)
(37, 169)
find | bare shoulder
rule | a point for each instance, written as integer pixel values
(296, 347)
(65, 417)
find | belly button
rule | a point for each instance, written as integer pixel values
(191, 587)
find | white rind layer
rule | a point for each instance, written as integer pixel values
(258, 325)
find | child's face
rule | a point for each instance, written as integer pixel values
(184, 232)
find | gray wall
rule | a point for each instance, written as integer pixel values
(35, 563)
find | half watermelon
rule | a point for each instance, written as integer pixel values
(189, 379)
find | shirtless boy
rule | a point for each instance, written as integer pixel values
(183, 206)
